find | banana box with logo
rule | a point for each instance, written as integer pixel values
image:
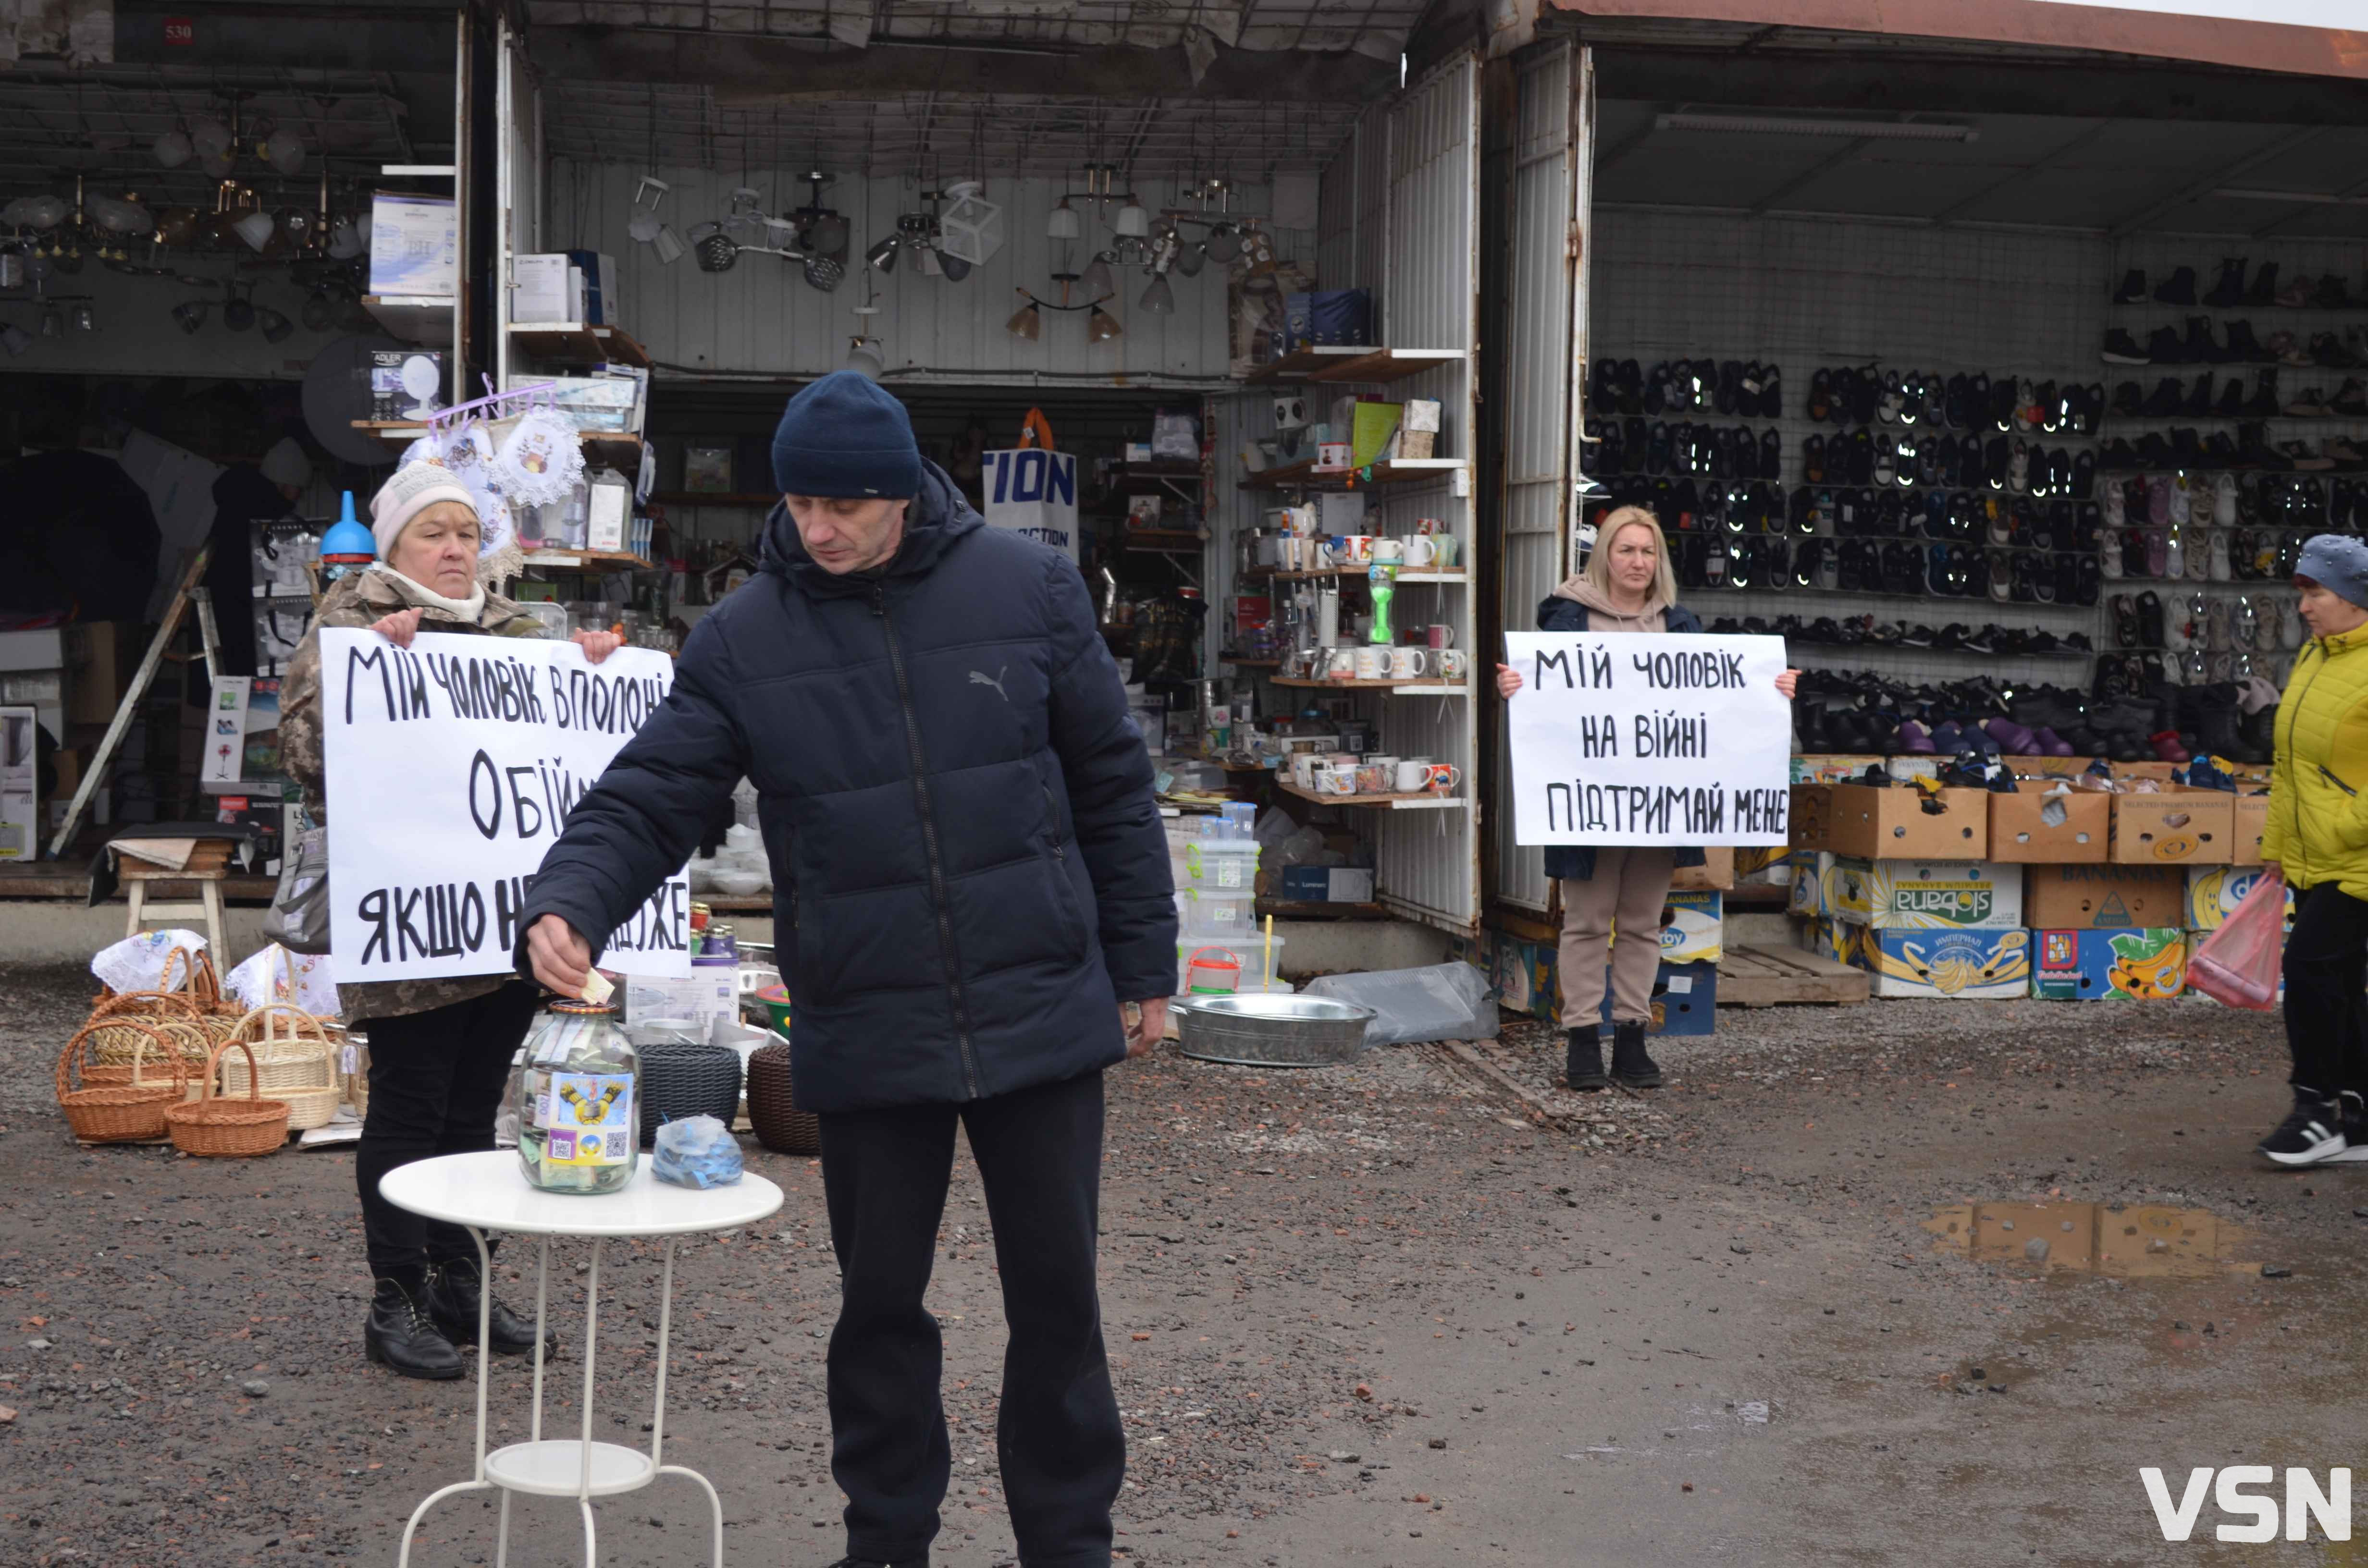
(1685, 1000)
(1810, 868)
(2215, 892)
(2147, 965)
(1944, 965)
(1924, 895)
(1692, 924)
(2179, 826)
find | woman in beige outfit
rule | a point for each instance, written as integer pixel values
(1626, 585)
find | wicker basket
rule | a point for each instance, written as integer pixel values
(294, 1061)
(226, 1126)
(356, 1082)
(773, 1110)
(221, 1015)
(116, 1113)
(687, 1079)
(119, 1034)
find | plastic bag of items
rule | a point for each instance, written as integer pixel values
(1447, 1001)
(697, 1151)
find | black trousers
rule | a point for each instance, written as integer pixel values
(436, 1080)
(1057, 1434)
(2326, 968)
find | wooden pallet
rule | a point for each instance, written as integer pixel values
(1770, 977)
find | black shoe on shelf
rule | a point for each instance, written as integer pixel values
(2264, 291)
(2133, 291)
(2179, 289)
(1583, 1059)
(2311, 1132)
(1631, 1065)
(400, 1335)
(2229, 291)
(452, 1294)
(2120, 349)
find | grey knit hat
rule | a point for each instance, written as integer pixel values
(2339, 564)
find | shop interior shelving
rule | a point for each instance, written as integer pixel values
(1424, 800)
(424, 319)
(577, 343)
(1351, 363)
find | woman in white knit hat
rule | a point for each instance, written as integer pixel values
(440, 1050)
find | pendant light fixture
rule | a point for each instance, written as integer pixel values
(1027, 323)
(1101, 327)
(1099, 280)
(1063, 224)
(1159, 299)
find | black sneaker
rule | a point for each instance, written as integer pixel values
(2120, 349)
(2313, 1132)
(2355, 1131)
(2134, 288)
(2179, 289)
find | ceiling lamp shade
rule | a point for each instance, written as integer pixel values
(972, 227)
(1133, 223)
(172, 149)
(866, 358)
(190, 314)
(1097, 280)
(1159, 299)
(953, 267)
(346, 241)
(1189, 258)
(1223, 245)
(881, 256)
(285, 151)
(1101, 327)
(211, 138)
(1027, 323)
(255, 228)
(1062, 222)
(33, 213)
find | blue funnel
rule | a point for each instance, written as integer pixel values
(347, 540)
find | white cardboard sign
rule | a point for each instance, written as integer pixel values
(1656, 740)
(1033, 493)
(452, 765)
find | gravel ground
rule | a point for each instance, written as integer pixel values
(1393, 1311)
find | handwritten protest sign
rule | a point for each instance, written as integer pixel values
(1626, 739)
(452, 765)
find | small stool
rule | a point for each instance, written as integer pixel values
(137, 874)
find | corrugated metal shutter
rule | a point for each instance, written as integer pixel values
(1546, 343)
(1426, 862)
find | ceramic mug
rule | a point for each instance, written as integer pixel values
(1409, 663)
(1442, 777)
(1339, 664)
(1454, 664)
(1388, 552)
(1372, 662)
(1357, 550)
(1373, 779)
(1412, 774)
(1338, 780)
(1430, 525)
(1389, 767)
(1447, 552)
(1302, 769)
(1421, 550)
(1439, 636)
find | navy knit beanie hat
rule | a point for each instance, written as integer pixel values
(844, 436)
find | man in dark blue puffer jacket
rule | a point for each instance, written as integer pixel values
(970, 878)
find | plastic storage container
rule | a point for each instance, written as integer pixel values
(1215, 865)
(1212, 913)
(1259, 976)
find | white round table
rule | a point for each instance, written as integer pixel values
(489, 1192)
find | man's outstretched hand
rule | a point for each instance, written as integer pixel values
(561, 958)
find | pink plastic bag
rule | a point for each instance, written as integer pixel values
(2239, 963)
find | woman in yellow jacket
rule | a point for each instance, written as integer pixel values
(2317, 836)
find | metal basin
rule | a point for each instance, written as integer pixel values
(1271, 1030)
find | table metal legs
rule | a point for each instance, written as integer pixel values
(526, 1467)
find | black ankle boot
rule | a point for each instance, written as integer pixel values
(1583, 1067)
(453, 1290)
(1630, 1063)
(399, 1334)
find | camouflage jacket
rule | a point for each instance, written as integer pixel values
(363, 598)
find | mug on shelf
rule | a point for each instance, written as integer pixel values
(1439, 635)
(1388, 552)
(1353, 549)
(1409, 663)
(1421, 550)
(1442, 777)
(1372, 662)
(1411, 774)
(1339, 664)
(1340, 778)
(1373, 779)
(1302, 769)
(1454, 664)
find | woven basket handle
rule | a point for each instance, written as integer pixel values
(213, 1064)
(188, 961)
(129, 1001)
(69, 1060)
(301, 1022)
(205, 981)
